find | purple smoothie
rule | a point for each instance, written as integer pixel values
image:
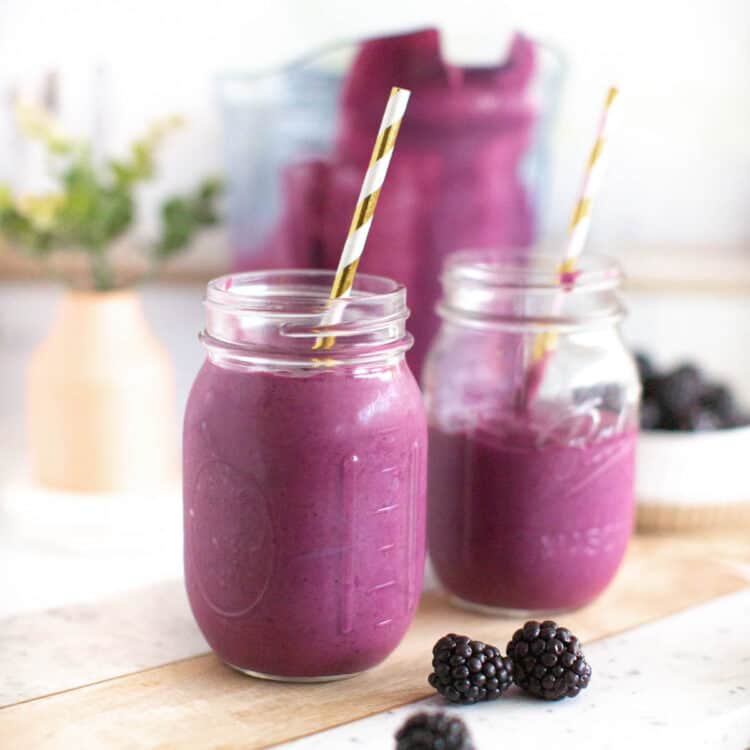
(529, 516)
(304, 515)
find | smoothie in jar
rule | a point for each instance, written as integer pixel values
(304, 479)
(548, 513)
(531, 489)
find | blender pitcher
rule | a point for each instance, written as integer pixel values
(468, 172)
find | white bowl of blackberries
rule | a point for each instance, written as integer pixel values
(693, 450)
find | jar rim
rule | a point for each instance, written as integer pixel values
(513, 290)
(531, 272)
(287, 316)
(308, 291)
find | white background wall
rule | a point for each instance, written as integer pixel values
(680, 169)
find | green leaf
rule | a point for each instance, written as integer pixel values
(20, 231)
(6, 197)
(182, 217)
(178, 226)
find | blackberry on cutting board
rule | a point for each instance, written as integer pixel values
(466, 671)
(548, 661)
(437, 731)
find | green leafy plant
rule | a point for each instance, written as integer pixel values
(94, 202)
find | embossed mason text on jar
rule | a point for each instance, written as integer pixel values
(304, 476)
(532, 403)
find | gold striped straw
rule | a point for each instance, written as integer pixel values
(363, 213)
(580, 220)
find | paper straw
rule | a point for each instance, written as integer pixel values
(596, 166)
(363, 213)
(580, 220)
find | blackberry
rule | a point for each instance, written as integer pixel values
(437, 731)
(548, 661)
(719, 399)
(466, 671)
(684, 400)
(681, 389)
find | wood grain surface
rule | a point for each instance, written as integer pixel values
(198, 703)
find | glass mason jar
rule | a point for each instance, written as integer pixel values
(532, 403)
(304, 476)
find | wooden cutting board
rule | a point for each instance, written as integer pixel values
(198, 703)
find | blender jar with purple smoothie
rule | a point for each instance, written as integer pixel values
(471, 167)
(532, 438)
(304, 477)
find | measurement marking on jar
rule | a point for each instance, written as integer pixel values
(411, 529)
(387, 508)
(386, 547)
(383, 623)
(347, 497)
(382, 586)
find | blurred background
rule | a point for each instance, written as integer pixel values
(674, 208)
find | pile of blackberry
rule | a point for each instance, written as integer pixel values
(548, 661)
(543, 659)
(438, 731)
(683, 399)
(466, 671)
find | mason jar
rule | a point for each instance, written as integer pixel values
(532, 401)
(304, 476)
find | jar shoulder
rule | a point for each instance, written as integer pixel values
(470, 371)
(334, 397)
